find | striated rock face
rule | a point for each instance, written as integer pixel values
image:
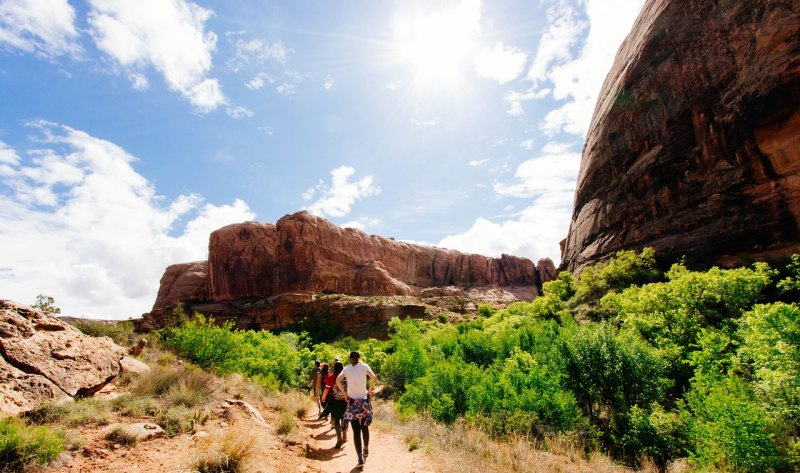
(183, 281)
(694, 147)
(303, 253)
(43, 358)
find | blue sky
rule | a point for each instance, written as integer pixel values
(130, 130)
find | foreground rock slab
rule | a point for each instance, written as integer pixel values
(43, 358)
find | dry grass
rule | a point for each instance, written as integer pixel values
(72, 414)
(294, 402)
(478, 453)
(192, 389)
(121, 436)
(228, 453)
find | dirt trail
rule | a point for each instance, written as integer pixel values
(387, 453)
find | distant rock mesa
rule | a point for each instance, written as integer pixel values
(694, 147)
(302, 255)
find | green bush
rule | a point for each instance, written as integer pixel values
(626, 269)
(771, 346)
(527, 397)
(656, 434)
(120, 331)
(611, 372)
(22, 445)
(270, 359)
(729, 430)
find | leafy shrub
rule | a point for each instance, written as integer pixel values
(624, 270)
(22, 445)
(671, 315)
(263, 356)
(528, 397)
(656, 434)
(771, 345)
(485, 310)
(611, 372)
(442, 391)
(729, 430)
(120, 331)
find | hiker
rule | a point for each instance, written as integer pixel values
(313, 379)
(359, 402)
(328, 382)
(336, 403)
(321, 383)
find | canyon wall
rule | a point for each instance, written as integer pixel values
(694, 146)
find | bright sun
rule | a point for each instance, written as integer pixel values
(437, 44)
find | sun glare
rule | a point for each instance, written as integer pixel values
(438, 44)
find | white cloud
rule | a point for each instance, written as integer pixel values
(527, 144)
(259, 81)
(257, 51)
(564, 28)
(478, 162)
(328, 83)
(286, 89)
(535, 231)
(165, 34)
(237, 111)
(533, 234)
(556, 169)
(77, 222)
(392, 86)
(362, 223)
(501, 63)
(337, 198)
(44, 27)
(139, 81)
(575, 79)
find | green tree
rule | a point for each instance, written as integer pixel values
(46, 304)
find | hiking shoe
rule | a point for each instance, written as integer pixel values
(360, 463)
(338, 444)
(366, 453)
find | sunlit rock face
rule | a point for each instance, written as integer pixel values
(694, 147)
(302, 255)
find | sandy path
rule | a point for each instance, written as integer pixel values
(387, 453)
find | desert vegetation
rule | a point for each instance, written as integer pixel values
(647, 366)
(625, 365)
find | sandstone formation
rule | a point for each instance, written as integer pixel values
(43, 358)
(267, 276)
(694, 147)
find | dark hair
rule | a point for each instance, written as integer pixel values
(324, 371)
(316, 362)
(338, 367)
(354, 356)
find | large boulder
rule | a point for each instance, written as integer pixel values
(694, 147)
(44, 358)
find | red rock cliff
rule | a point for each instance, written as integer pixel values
(694, 147)
(303, 253)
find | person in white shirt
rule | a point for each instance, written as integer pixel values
(359, 398)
